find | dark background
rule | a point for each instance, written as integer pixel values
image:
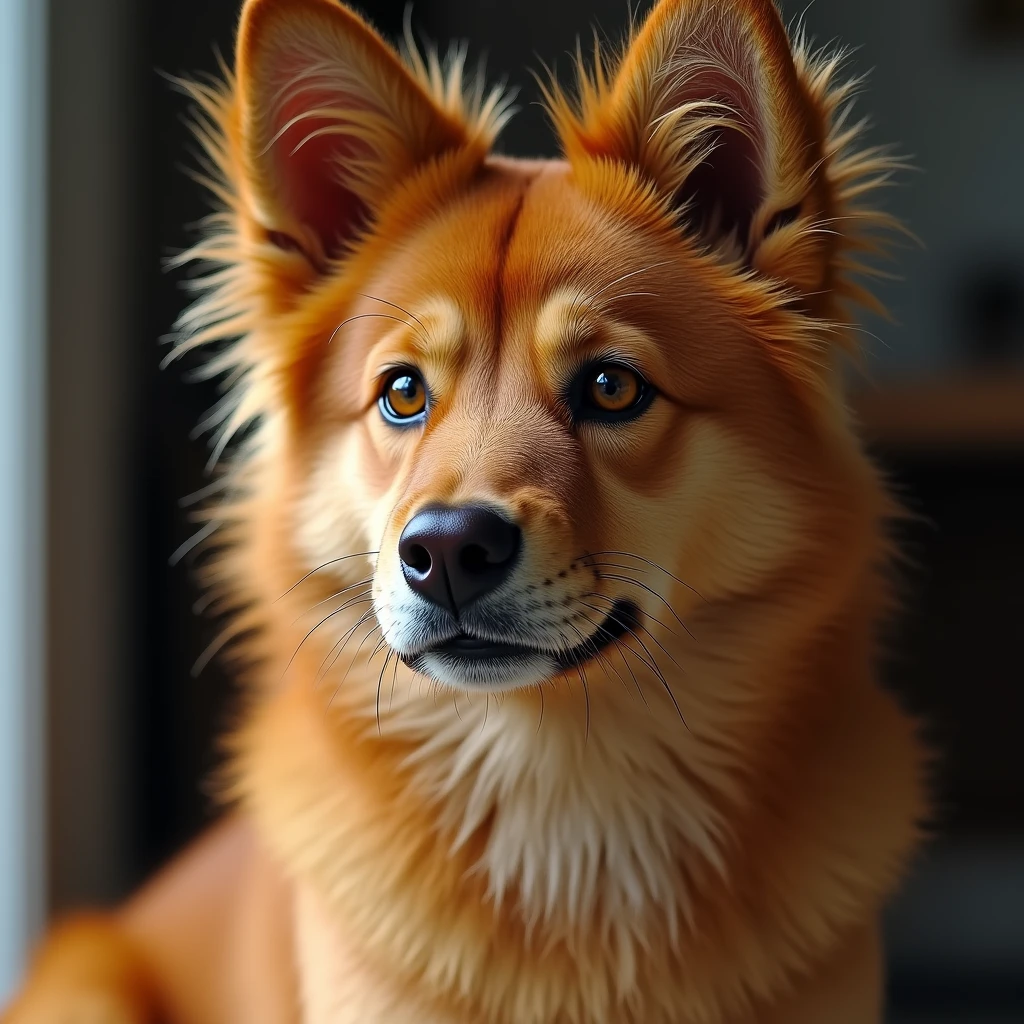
(133, 731)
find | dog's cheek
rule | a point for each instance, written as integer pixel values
(737, 524)
(334, 516)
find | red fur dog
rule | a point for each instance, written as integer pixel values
(557, 561)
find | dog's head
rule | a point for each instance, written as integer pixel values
(567, 405)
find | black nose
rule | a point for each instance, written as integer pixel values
(452, 555)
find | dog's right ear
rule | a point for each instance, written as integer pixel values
(329, 120)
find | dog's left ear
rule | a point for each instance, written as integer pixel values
(708, 105)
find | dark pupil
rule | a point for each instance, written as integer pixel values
(609, 383)
(407, 387)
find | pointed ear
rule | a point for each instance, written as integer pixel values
(329, 120)
(707, 103)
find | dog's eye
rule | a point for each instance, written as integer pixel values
(611, 391)
(403, 399)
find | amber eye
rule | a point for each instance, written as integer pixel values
(403, 399)
(611, 391)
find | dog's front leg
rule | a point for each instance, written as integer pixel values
(87, 972)
(206, 942)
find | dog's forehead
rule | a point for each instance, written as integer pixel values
(567, 240)
(522, 258)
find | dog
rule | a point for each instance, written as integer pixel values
(554, 560)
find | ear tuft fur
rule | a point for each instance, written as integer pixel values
(331, 118)
(746, 137)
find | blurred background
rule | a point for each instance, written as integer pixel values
(107, 736)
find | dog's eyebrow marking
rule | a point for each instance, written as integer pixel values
(442, 337)
(563, 322)
(571, 322)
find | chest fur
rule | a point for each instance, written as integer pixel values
(338, 986)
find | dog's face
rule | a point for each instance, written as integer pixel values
(567, 403)
(540, 418)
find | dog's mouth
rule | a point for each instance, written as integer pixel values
(478, 661)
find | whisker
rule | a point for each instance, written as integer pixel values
(395, 305)
(394, 680)
(598, 654)
(335, 652)
(598, 627)
(413, 678)
(364, 316)
(632, 295)
(380, 679)
(373, 629)
(612, 601)
(639, 689)
(581, 674)
(632, 632)
(586, 698)
(654, 565)
(647, 651)
(652, 592)
(619, 280)
(652, 664)
(373, 653)
(362, 583)
(333, 561)
(362, 598)
(636, 654)
(295, 654)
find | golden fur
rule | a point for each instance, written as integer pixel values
(700, 824)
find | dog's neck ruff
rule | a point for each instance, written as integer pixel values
(527, 872)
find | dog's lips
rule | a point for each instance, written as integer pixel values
(464, 647)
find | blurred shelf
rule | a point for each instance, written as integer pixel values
(966, 412)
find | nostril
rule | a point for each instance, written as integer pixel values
(417, 557)
(493, 546)
(475, 559)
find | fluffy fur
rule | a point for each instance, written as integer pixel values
(700, 823)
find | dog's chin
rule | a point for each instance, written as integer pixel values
(469, 662)
(495, 674)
